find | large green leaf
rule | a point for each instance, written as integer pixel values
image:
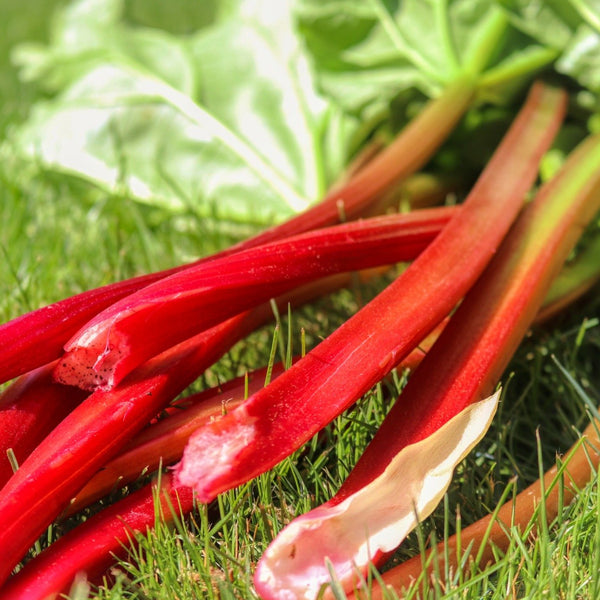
(226, 120)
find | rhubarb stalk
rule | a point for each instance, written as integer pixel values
(37, 338)
(97, 430)
(33, 405)
(462, 367)
(29, 409)
(574, 280)
(167, 312)
(93, 546)
(279, 419)
(163, 442)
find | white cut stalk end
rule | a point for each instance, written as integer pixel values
(89, 361)
(376, 519)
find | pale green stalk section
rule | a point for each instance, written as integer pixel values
(583, 181)
(532, 61)
(574, 280)
(486, 43)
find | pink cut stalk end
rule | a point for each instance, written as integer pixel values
(373, 521)
(289, 571)
(219, 450)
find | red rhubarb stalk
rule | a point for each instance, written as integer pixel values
(169, 311)
(163, 442)
(29, 409)
(37, 338)
(92, 547)
(276, 421)
(34, 404)
(97, 430)
(462, 367)
(55, 569)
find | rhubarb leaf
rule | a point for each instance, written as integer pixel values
(552, 21)
(177, 121)
(570, 26)
(355, 528)
(367, 53)
(581, 58)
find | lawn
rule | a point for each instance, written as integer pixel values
(63, 232)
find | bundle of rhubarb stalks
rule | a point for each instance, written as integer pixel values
(93, 372)
(96, 387)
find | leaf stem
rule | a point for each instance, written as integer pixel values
(586, 13)
(574, 280)
(532, 61)
(403, 47)
(485, 43)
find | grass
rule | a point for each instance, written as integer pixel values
(58, 237)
